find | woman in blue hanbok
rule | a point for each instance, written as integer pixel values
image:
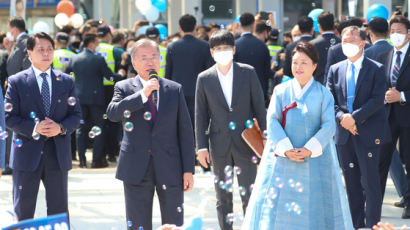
(299, 183)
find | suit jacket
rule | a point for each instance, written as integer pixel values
(3, 67)
(24, 94)
(287, 66)
(401, 112)
(212, 114)
(18, 58)
(89, 70)
(3, 128)
(378, 48)
(170, 140)
(368, 112)
(186, 58)
(252, 51)
(322, 44)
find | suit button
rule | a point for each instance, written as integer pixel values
(230, 110)
(377, 141)
(149, 150)
(42, 152)
(370, 154)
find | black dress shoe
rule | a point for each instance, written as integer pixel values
(7, 171)
(406, 213)
(112, 159)
(99, 165)
(83, 164)
(399, 204)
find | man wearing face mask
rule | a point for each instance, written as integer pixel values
(18, 58)
(358, 86)
(227, 95)
(397, 62)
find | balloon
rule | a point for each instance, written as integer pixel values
(313, 15)
(377, 10)
(160, 4)
(61, 20)
(163, 31)
(77, 20)
(143, 5)
(65, 6)
(41, 26)
(143, 29)
(238, 19)
(152, 14)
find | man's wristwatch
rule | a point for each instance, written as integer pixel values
(63, 130)
(402, 98)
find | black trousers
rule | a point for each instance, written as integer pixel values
(402, 134)
(360, 165)
(224, 196)
(139, 201)
(92, 116)
(26, 185)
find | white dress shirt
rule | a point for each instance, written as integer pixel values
(226, 82)
(374, 43)
(313, 144)
(39, 79)
(402, 56)
(143, 97)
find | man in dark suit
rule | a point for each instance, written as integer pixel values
(89, 70)
(186, 58)
(397, 62)
(227, 96)
(252, 51)
(322, 43)
(305, 25)
(378, 31)
(18, 59)
(158, 154)
(358, 87)
(41, 121)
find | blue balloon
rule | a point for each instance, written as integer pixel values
(237, 19)
(143, 29)
(163, 31)
(160, 4)
(313, 15)
(377, 10)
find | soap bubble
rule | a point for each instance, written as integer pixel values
(128, 126)
(147, 116)
(249, 124)
(8, 107)
(232, 125)
(127, 114)
(71, 101)
(33, 115)
(212, 8)
(18, 143)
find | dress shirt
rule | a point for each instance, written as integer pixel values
(313, 144)
(402, 56)
(39, 79)
(357, 66)
(20, 34)
(143, 97)
(329, 32)
(374, 43)
(244, 33)
(226, 82)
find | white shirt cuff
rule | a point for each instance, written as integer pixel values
(282, 146)
(143, 97)
(34, 130)
(204, 149)
(314, 146)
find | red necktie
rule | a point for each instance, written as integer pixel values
(287, 108)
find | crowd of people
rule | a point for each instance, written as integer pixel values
(328, 101)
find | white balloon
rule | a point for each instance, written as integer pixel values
(76, 20)
(152, 14)
(143, 5)
(41, 26)
(61, 20)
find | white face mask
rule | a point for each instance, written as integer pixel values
(350, 50)
(129, 50)
(9, 36)
(397, 39)
(297, 38)
(223, 57)
(72, 39)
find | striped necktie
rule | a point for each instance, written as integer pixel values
(396, 69)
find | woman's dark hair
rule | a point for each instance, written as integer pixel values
(221, 37)
(31, 40)
(308, 49)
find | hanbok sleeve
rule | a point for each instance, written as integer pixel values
(327, 126)
(280, 141)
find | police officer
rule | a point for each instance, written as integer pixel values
(274, 50)
(153, 34)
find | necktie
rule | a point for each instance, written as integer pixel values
(396, 69)
(152, 108)
(45, 93)
(287, 108)
(351, 86)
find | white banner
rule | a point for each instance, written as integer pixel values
(352, 4)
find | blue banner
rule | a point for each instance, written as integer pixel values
(30, 3)
(56, 222)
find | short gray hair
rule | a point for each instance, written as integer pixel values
(351, 29)
(143, 43)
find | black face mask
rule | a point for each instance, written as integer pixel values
(75, 45)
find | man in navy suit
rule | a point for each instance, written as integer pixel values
(158, 154)
(41, 120)
(358, 87)
(378, 30)
(252, 51)
(397, 62)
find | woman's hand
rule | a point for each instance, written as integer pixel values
(293, 156)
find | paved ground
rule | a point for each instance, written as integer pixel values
(96, 201)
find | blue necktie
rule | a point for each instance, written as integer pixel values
(396, 70)
(351, 85)
(45, 93)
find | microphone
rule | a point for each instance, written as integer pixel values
(154, 75)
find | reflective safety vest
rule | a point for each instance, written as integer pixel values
(273, 51)
(61, 59)
(107, 51)
(163, 57)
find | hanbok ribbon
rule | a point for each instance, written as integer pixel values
(287, 108)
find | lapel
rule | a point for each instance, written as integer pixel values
(361, 76)
(136, 83)
(236, 84)
(163, 101)
(56, 82)
(405, 62)
(35, 91)
(343, 72)
(388, 66)
(215, 84)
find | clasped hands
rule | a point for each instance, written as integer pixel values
(392, 95)
(48, 128)
(348, 122)
(298, 154)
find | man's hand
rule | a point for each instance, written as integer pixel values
(203, 158)
(152, 84)
(48, 128)
(188, 181)
(392, 95)
(347, 121)
(293, 156)
(386, 226)
(169, 227)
